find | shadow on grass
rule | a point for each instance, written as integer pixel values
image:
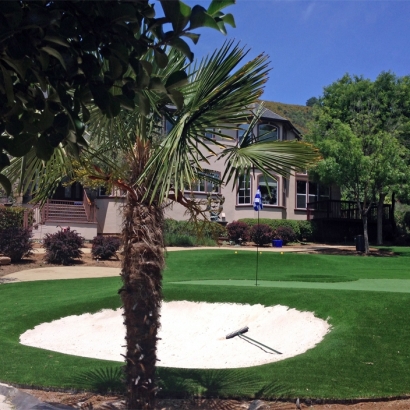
(320, 278)
(395, 251)
(221, 383)
(103, 380)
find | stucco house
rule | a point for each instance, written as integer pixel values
(97, 212)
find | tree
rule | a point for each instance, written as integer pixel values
(217, 94)
(359, 129)
(58, 56)
(157, 170)
(312, 101)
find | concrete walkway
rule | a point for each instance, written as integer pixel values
(62, 272)
(12, 399)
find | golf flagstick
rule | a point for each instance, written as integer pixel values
(257, 206)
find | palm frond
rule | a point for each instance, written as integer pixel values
(40, 177)
(279, 157)
(217, 97)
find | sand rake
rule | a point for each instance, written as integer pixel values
(240, 334)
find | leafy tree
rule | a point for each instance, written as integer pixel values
(57, 57)
(312, 101)
(159, 167)
(217, 91)
(359, 128)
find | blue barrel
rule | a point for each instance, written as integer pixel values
(277, 243)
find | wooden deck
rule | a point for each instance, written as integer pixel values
(343, 210)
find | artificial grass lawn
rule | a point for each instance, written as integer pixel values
(365, 355)
(226, 264)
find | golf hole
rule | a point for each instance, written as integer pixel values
(193, 334)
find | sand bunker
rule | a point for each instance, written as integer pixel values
(193, 334)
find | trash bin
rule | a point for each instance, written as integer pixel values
(360, 243)
(277, 243)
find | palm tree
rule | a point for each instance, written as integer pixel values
(218, 94)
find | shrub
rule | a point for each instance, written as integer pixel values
(63, 247)
(13, 217)
(173, 239)
(276, 223)
(16, 243)
(261, 234)
(286, 234)
(104, 247)
(238, 230)
(198, 228)
(307, 231)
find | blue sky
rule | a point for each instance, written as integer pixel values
(312, 43)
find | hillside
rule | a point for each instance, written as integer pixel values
(299, 115)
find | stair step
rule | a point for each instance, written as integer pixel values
(66, 213)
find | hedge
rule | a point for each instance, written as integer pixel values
(199, 228)
(13, 217)
(304, 230)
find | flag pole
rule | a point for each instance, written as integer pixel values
(257, 206)
(257, 254)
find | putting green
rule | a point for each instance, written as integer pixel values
(370, 285)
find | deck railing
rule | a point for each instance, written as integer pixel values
(89, 208)
(62, 205)
(332, 209)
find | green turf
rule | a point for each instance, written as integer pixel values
(226, 264)
(365, 355)
(27, 304)
(368, 285)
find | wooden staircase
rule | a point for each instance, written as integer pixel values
(66, 212)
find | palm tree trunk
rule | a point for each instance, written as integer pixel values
(141, 295)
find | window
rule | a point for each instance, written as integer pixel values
(204, 185)
(269, 197)
(268, 132)
(301, 189)
(241, 132)
(209, 133)
(102, 191)
(168, 125)
(244, 191)
(310, 192)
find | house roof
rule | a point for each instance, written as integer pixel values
(269, 114)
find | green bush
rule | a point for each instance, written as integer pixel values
(199, 229)
(13, 217)
(307, 231)
(172, 239)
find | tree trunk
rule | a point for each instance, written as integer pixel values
(380, 219)
(365, 233)
(141, 295)
(392, 217)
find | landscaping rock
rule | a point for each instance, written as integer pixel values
(5, 260)
(257, 405)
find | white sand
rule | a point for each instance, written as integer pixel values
(193, 334)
